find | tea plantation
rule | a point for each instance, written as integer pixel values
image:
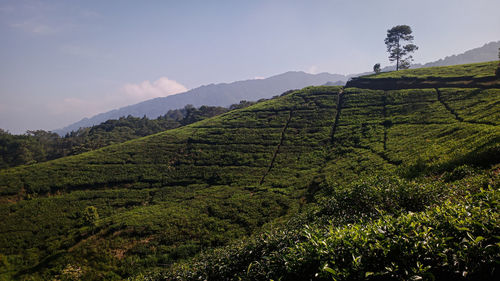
(321, 183)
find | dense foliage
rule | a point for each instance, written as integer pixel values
(32, 147)
(374, 229)
(395, 42)
(419, 164)
(191, 188)
(39, 146)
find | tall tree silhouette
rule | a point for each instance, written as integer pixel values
(395, 40)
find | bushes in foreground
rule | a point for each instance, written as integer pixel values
(453, 241)
(374, 229)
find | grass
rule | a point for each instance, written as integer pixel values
(187, 189)
(165, 198)
(475, 70)
(378, 228)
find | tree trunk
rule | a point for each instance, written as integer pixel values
(397, 57)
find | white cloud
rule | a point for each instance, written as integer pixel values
(147, 90)
(76, 108)
(313, 69)
(38, 17)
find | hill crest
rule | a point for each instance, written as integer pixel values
(234, 92)
(222, 94)
(166, 197)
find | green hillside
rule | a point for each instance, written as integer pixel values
(477, 75)
(474, 70)
(343, 161)
(41, 146)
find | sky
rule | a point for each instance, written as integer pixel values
(61, 61)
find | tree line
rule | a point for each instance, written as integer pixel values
(40, 145)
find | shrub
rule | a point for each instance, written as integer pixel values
(447, 242)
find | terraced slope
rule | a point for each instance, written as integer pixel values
(400, 196)
(175, 192)
(234, 148)
(390, 129)
(167, 196)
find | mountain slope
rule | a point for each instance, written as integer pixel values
(223, 94)
(487, 52)
(187, 189)
(168, 196)
(40, 146)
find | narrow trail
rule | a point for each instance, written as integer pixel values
(451, 110)
(458, 117)
(387, 124)
(340, 97)
(380, 154)
(386, 158)
(282, 138)
(329, 145)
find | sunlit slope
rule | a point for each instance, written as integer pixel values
(473, 70)
(427, 153)
(167, 196)
(477, 75)
(384, 130)
(235, 148)
(404, 124)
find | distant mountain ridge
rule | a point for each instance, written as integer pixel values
(487, 52)
(225, 94)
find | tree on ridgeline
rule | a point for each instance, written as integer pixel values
(376, 68)
(395, 40)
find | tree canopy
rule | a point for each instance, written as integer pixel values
(396, 37)
(40, 146)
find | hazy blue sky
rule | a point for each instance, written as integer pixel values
(61, 61)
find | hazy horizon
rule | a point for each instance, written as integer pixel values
(63, 61)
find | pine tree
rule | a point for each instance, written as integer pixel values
(398, 52)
